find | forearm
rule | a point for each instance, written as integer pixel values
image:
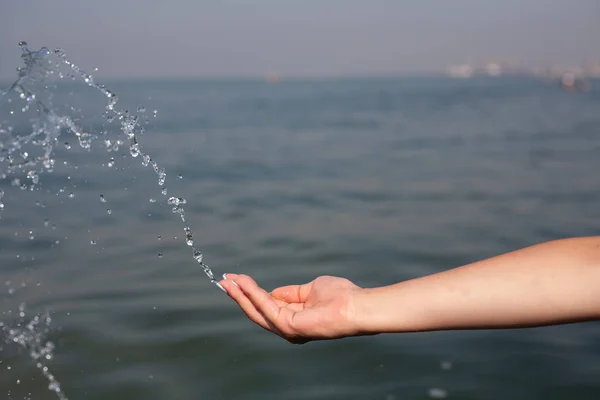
(550, 283)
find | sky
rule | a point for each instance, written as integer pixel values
(224, 38)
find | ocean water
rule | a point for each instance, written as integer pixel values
(376, 180)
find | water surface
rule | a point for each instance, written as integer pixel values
(376, 180)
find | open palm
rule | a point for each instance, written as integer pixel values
(321, 309)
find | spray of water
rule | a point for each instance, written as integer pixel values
(30, 334)
(32, 154)
(38, 66)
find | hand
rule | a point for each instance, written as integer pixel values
(321, 309)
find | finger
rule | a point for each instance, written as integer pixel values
(279, 302)
(261, 300)
(279, 318)
(277, 314)
(244, 302)
(283, 295)
(292, 293)
(249, 309)
(230, 276)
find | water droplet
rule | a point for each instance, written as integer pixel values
(162, 176)
(159, 237)
(134, 149)
(198, 256)
(33, 176)
(54, 386)
(71, 195)
(102, 199)
(180, 176)
(164, 191)
(446, 365)
(92, 242)
(152, 200)
(177, 201)
(46, 223)
(437, 393)
(67, 146)
(108, 211)
(160, 255)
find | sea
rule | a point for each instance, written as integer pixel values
(377, 180)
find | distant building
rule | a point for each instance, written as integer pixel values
(493, 69)
(588, 69)
(592, 68)
(459, 71)
(272, 77)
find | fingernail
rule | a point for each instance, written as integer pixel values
(225, 276)
(221, 287)
(235, 283)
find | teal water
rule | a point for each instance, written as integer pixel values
(376, 180)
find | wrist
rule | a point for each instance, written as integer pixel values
(367, 315)
(389, 309)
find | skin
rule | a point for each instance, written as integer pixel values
(556, 282)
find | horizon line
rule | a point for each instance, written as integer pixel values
(280, 78)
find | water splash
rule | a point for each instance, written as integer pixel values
(26, 157)
(31, 335)
(41, 65)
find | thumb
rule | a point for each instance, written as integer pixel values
(292, 293)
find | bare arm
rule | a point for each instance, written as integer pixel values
(551, 283)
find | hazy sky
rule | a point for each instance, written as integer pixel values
(128, 38)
